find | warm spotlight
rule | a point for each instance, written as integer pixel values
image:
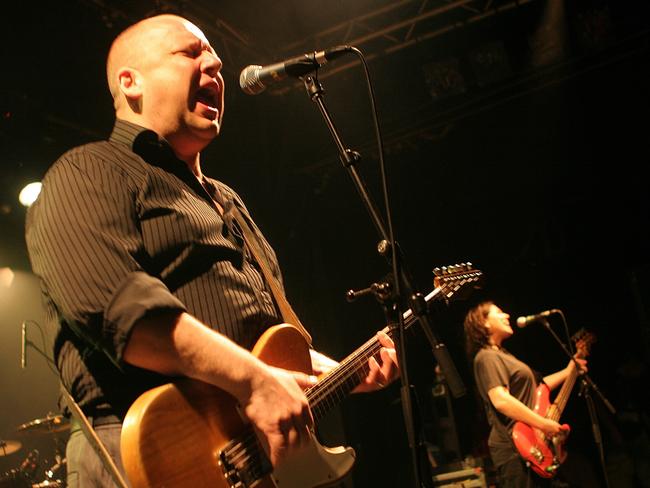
(29, 194)
(6, 277)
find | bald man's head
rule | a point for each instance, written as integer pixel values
(130, 48)
(165, 76)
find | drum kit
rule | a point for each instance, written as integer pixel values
(33, 471)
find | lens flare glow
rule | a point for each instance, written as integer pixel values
(29, 194)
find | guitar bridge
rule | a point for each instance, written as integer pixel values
(537, 454)
(243, 462)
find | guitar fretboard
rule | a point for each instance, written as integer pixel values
(556, 409)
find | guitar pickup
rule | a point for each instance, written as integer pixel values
(243, 462)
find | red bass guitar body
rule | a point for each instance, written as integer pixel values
(543, 455)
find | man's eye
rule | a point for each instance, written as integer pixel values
(190, 52)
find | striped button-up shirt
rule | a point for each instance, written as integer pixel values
(123, 229)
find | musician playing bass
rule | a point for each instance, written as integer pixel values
(507, 386)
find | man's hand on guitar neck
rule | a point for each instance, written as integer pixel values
(382, 374)
(379, 375)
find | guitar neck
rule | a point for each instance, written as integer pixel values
(339, 382)
(563, 396)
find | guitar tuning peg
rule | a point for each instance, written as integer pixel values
(444, 270)
(437, 271)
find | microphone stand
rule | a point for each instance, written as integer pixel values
(586, 386)
(388, 249)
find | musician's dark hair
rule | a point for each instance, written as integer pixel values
(476, 334)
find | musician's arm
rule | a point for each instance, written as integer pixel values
(556, 379)
(177, 344)
(509, 406)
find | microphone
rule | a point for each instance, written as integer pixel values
(524, 321)
(23, 358)
(255, 79)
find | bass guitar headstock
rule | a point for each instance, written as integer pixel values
(583, 339)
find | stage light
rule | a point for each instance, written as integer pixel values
(29, 194)
(6, 277)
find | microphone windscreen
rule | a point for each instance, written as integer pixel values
(249, 80)
(522, 322)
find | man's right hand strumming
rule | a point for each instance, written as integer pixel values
(278, 408)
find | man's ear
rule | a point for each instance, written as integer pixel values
(130, 83)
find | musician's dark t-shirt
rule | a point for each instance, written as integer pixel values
(497, 367)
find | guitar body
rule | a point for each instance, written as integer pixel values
(190, 434)
(543, 456)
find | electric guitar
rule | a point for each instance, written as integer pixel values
(192, 434)
(544, 455)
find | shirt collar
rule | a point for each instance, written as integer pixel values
(144, 142)
(155, 150)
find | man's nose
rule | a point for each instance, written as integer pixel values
(211, 64)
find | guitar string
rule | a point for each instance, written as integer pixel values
(253, 461)
(563, 396)
(331, 383)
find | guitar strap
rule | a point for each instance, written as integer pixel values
(288, 314)
(93, 439)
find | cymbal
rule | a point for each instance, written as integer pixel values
(52, 424)
(9, 447)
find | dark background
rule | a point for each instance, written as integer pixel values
(515, 138)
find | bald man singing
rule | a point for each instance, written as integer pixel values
(144, 272)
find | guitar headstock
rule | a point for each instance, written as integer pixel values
(453, 281)
(583, 340)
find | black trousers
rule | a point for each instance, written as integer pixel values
(515, 474)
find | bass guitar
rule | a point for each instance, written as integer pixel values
(189, 434)
(544, 455)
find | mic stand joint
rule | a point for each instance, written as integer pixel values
(382, 291)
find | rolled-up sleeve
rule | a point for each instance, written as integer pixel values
(85, 244)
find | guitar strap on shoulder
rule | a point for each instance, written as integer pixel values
(288, 314)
